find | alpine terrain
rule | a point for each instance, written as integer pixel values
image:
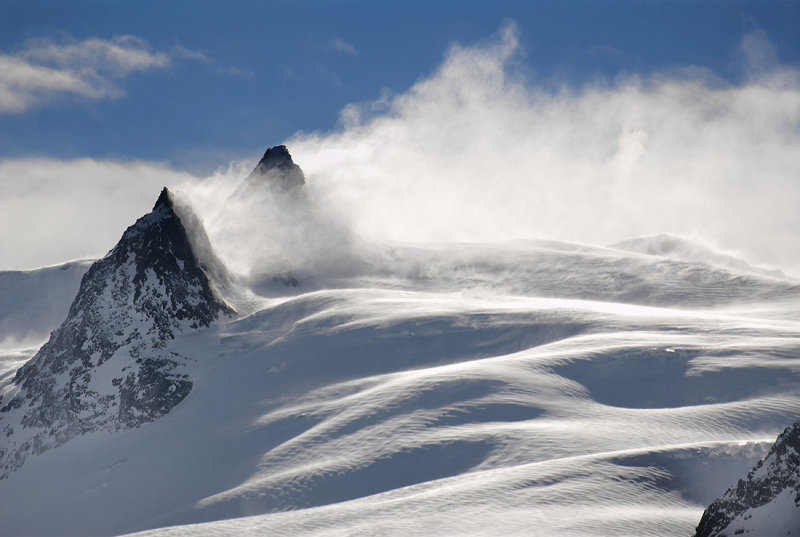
(107, 367)
(767, 500)
(280, 376)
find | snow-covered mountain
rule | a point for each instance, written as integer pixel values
(108, 366)
(530, 388)
(767, 500)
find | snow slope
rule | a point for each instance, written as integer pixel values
(34, 302)
(531, 388)
(332, 387)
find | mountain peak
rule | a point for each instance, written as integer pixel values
(164, 200)
(278, 168)
(275, 156)
(110, 360)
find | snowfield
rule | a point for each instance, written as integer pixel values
(34, 302)
(523, 389)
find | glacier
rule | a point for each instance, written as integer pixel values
(520, 388)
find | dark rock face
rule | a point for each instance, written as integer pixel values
(277, 169)
(777, 473)
(107, 367)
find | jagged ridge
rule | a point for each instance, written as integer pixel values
(107, 366)
(779, 471)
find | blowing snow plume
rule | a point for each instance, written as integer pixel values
(478, 152)
(272, 231)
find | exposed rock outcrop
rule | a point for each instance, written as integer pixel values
(766, 500)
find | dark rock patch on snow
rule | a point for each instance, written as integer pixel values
(778, 474)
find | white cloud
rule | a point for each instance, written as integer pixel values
(121, 54)
(235, 71)
(756, 53)
(92, 69)
(53, 210)
(183, 53)
(343, 46)
(475, 152)
(179, 51)
(22, 84)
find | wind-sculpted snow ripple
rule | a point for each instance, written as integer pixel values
(556, 445)
(410, 404)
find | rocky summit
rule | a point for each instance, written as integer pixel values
(108, 366)
(268, 223)
(277, 169)
(768, 497)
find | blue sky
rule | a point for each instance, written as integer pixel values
(589, 121)
(242, 75)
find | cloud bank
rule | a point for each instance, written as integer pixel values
(478, 152)
(92, 69)
(53, 211)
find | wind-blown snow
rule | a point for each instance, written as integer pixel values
(683, 249)
(531, 388)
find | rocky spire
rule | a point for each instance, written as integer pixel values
(108, 366)
(164, 200)
(277, 167)
(270, 211)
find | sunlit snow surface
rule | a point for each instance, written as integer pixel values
(550, 390)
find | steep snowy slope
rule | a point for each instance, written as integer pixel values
(107, 367)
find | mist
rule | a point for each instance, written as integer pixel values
(53, 211)
(481, 150)
(278, 236)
